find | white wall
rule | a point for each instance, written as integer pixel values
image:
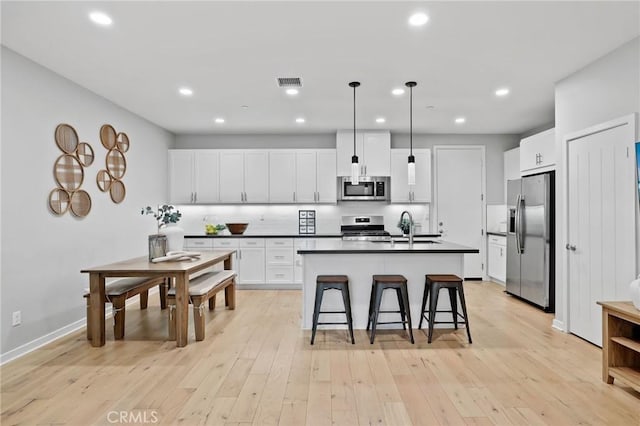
(42, 254)
(607, 88)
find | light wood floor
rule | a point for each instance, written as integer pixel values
(256, 367)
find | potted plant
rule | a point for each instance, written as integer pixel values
(404, 225)
(167, 215)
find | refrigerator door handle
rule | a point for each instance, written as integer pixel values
(517, 224)
(520, 223)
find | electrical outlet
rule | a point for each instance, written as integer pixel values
(17, 318)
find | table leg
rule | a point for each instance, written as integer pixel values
(96, 317)
(182, 309)
(227, 262)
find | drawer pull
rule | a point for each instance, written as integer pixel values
(280, 275)
(279, 257)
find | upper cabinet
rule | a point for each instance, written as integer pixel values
(511, 167)
(373, 149)
(244, 176)
(401, 192)
(193, 176)
(538, 153)
(302, 176)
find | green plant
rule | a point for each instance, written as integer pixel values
(165, 214)
(404, 225)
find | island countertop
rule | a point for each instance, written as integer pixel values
(363, 247)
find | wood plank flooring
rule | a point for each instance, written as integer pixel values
(256, 366)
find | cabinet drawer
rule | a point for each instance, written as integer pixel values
(277, 274)
(252, 242)
(225, 243)
(198, 243)
(495, 239)
(280, 256)
(279, 242)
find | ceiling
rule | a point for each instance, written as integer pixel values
(230, 54)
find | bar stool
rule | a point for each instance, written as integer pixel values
(332, 282)
(379, 285)
(433, 285)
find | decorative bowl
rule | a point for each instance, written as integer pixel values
(237, 228)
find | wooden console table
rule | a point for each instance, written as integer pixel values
(621, 343)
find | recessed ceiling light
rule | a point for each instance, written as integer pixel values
(219, 120)
(100, 18)
(503, 91)
(244, 106)
(460, 120)
(418, 19)
(397, 92)
(380, 120)
(292, 92)
(300, 120)
(185, 91)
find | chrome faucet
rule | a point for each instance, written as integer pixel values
(410, 225)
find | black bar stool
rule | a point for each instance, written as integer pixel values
(381, 283)
(432, 286)
(332, 282)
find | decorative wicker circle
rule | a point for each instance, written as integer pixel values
(108, 136)
(116, 164)
(66, 138)
(68, 172)
(80, 203)
(117, 191)
(85, 154)
(122, 142)
(103, 180)
(59, 201)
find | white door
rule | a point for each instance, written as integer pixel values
(206, 176)
(181, 176)
(282, 175)
(326, 182)
(231, 177)
(459, 201)
(305, 179)
(377, 154)
(601, 233)
(256, 177)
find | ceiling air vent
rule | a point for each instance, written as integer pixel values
(289, 82)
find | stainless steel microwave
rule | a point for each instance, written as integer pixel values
(369, 188)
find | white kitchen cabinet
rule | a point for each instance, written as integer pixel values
(282, 176)
(193, 176)
(538, 153)
(373, 149)
(244, 176)
(511, 167)
(401, 192)
(279, 261)
(497, 267)
(316, 176)
(249, 261)
(326, 182)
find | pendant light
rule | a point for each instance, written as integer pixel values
(411, 168)
(355, 167)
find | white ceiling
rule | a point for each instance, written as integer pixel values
(230, 54)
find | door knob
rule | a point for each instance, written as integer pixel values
(440, 224)
(440, 231)
(570, 247)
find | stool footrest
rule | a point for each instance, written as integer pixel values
(332, 312)
(332, 323)
(393, 322)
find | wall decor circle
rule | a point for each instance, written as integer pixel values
(58, 201)
(68, 172)
(80, 203)
(116, 164)
(103, 179)
(122, 142)
(117, 191)
(108, 136)
(66, 138)
(85, 154)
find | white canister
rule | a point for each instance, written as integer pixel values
(175, 237)
(634, 289)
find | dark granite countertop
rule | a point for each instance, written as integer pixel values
(369, 247)
(292, 236)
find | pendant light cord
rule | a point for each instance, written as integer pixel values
(354, 120)
(411, 120)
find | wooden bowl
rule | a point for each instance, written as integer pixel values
(236, 228)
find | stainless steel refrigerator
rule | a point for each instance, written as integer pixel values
(530, 239)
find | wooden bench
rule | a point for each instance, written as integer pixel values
(118, 291)
(202, 289)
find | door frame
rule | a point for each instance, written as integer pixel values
(483, 205)
(630, 120)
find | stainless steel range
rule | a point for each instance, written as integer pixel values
(364, 228)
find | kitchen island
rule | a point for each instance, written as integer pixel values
(359, 260)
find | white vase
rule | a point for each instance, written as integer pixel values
(175, 237)
(634, 289)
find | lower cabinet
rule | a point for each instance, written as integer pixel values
(279, 262)
(497, 268)
(249, 261)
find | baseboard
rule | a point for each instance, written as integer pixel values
(270, 286)
(559, 325)
(56, 334)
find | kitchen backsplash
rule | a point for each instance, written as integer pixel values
(283, 219)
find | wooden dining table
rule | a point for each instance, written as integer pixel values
(142, 267)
